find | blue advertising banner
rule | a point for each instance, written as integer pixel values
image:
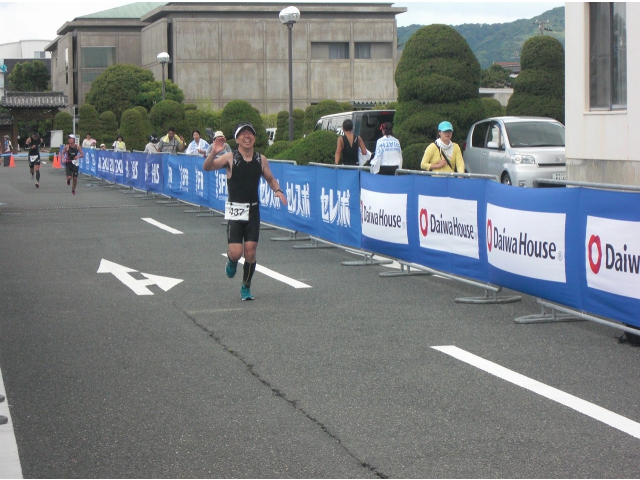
(529, 235)
(217, 187)
(153, 173)
(271, 209)
(385, 217)
(109, 166)
(449, 215)
(134, 170)
(608, 241)
(338, 202)
(299, 188)
(179, 177)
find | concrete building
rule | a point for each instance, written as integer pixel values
(226, 51)
(18, 52)
(602, 92)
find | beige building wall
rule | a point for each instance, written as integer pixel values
(601, 146)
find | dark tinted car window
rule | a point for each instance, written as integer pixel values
(479, 135)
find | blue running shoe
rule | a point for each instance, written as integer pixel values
(245, 293)
(231, 268)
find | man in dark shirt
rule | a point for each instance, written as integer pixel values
(244, 167)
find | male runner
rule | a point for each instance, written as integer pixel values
(33, 144)
(72, 152)
(244, 167)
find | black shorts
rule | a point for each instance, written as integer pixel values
(71, 169)
(35, 162)
(239, 231)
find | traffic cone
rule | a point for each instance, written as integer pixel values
(56, 161)
(11, 162)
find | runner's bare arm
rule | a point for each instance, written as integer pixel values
(212, 163)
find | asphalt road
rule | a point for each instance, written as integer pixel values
(339, 380)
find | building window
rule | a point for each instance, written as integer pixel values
(66, 65)
(329, 50)
(363, 50)
(39, 54)
(98, 57)
(608, 55)
(90, 75)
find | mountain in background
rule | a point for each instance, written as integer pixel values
(500, 42)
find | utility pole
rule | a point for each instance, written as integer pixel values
(541, 26)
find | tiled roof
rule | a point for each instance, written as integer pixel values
(6, 119)
(133, 10)
(34, 100)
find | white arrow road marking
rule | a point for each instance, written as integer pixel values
(594, 411)
(138, 286)
(9, 460)
(162, 226)
(276, 276)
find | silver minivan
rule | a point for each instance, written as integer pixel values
(517, 150)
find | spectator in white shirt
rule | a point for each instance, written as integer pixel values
(198, 146)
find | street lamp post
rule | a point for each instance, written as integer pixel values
(163, 58)
(289, 16)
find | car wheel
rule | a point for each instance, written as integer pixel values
(506, 179)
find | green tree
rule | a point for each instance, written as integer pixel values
(117, 88)
(89, 122)
(495, 77)
(238, 111)
(134, 137)
(326, 107)
(298, 123)
(63, 121)
(539, 88)
(108, 128)
(169, 113)
(145, 123)
(438, 78)
(30, 76)
(317, 147)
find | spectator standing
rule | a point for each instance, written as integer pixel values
(219, 137)
(102, 146)
(388, 155)
(198, 146)
(7, 150)
(348, 145)
(443, 155)
(119, 145)
(89, 142)
(151, 147)
(33, 145)
(171, 143)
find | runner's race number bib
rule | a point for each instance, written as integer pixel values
(236, 211)
(33, 158)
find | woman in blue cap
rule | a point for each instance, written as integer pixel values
(443, 155)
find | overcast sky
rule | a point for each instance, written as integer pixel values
(41, 20)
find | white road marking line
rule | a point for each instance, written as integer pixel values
(162, 226)
(587, 408)
(9, 460)
(276, 276)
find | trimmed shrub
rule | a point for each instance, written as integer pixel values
(108, 128)
(145, 123)
(492, 107)
(317, 147)
(326, 107)
(134, 136)
(277, 148)
(89, 122)
(309, 119)
(539, 88)
(412, 156)
(63, 121)
(238, 111)
(169, 113)
(282, 126)
(438, 77)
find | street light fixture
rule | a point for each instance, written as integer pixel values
(289, 16)
(163, 58)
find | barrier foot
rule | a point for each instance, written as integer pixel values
(490, 297)
(197, 210)
(293, 237)
(405, 271)
(368, 260)
(210, 213)
(147, 196)
(550, 316)
(171, 201)
(128, 191)
(314, 244)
